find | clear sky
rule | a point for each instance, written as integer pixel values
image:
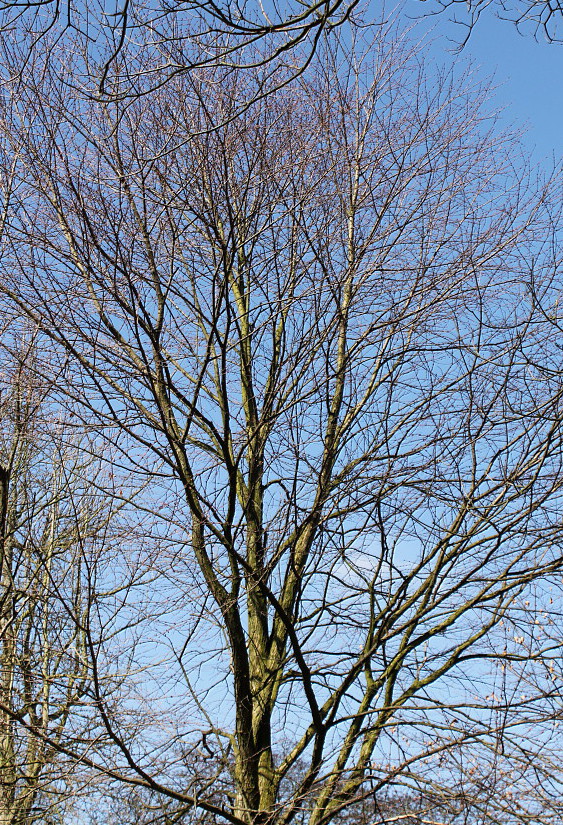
(528, 73)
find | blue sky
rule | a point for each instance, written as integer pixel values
(528, 74)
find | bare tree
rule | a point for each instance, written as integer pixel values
(55, 520)
(310, 329)
(46, 521)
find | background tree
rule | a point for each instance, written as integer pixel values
(54, 522)
(310, 329)
(44, 527)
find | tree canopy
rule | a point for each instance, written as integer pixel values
(179, 36)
